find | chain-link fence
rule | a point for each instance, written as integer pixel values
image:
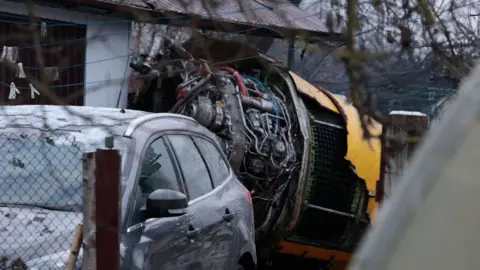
(40, 199)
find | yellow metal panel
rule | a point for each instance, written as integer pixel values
(313, 92)
(364, 154)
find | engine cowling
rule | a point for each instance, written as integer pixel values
(310, 173)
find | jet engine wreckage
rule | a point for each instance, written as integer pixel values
(286, 148)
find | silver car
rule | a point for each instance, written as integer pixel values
(182, 207)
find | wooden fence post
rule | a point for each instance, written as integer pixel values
(412, 126)
(89, 228)
(107, 217)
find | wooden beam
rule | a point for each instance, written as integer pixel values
(89, 228)
(107, 213)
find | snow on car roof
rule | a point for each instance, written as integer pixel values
(87, 125)
(414, 113)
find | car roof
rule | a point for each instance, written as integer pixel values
(84, 123)
(52, 117)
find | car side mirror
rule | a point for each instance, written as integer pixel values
(166, 203)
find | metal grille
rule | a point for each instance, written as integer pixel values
(327, 169)
(63, 47)
(40, 198)
(334, 215)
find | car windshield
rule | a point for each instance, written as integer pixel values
(45, 171)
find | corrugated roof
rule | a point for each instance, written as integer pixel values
(275, 15)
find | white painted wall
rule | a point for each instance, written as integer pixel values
(103, 78)
(114, 46)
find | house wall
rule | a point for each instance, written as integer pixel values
(106, 51)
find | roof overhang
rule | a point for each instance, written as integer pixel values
(144, 12)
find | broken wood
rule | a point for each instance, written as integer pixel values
(76, 245)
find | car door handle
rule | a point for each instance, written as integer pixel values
(228, 215)
(192, 232)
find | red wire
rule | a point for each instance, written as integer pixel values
(238, 78)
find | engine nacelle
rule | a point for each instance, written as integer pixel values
(289, 146)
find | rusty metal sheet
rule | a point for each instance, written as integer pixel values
(269, 13)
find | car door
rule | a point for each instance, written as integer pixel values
(225, 240)
(204, 201)
(160, 243)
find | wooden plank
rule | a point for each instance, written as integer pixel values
(107, 194)
(89, 253)
(76, 245)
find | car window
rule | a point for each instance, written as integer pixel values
(215, 161)
(157, 169)
(195, 172)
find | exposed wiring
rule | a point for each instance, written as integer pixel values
(256, 80)
(275, 105)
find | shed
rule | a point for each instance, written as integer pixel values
(273, 18)
(90, 54)
(265, 18)
(98, 33)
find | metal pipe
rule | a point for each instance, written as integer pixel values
(245, 124)
(191, 93)
(260, 104)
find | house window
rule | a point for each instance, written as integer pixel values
(62, 48)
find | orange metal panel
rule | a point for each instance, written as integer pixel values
(341, 258)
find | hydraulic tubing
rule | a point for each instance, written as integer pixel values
(238, 78)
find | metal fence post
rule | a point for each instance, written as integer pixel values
(107, 194)
(89, 228)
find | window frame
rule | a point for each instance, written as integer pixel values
(140, 143)
(191, 136)
(171, 154)
(222, 156)
(132, 204)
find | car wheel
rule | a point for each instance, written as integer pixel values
(240, 267)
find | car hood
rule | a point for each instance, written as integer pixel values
(30, 234)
